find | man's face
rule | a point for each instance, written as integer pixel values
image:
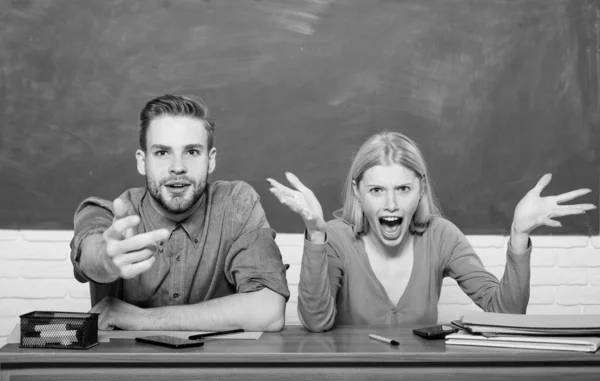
(177, 161)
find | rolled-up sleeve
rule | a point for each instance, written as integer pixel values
(254, 259)
(93, 216)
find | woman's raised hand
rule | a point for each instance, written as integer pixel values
(302, 201)
(534, 210)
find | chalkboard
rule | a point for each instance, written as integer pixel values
(496, 93)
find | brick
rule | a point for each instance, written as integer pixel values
(78, 290)
(543, 257)
(32, 288)
(546, 276)
(574, 295)
(541, 295)
(21, 249)
(9, 307)
(296, 240)
(449, 312)
(449, 282)
(454, 295)
(293, 275)
(47, 235)
(590, 310)
(594, 276)
(9, 235)
(566, 242)
(482, 241)
(579, 257)
(37, 269)
(7, 324)
(293, 294)
(65, 304)
(553, 310)
(291, 314)
(292, 255)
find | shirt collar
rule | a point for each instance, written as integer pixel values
(192, 225)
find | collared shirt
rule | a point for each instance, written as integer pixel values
(226, 246)
(338, 285)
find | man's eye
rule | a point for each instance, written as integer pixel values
(160, 153)
(375, 190)
(404, 188)
(194, 152)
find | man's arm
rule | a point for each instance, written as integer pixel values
(116, 252)
(262, 310)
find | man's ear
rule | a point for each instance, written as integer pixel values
(140, 157)
(212, 160)
(355, 190)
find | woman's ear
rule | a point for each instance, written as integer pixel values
(355, 190)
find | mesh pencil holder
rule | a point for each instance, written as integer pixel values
(66, 330)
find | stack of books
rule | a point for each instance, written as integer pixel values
(580, 333)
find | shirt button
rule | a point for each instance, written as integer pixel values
(196, 240)
(176, 295)
(394, 311)
(162, 243)
(178, 258)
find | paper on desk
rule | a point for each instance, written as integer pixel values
(105, 336)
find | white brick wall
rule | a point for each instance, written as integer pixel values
(36, 274)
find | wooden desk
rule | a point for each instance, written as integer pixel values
(343, 354)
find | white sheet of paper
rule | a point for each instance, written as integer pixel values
(105, 336)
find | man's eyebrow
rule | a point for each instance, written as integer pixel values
(160, 147)
(194, 146)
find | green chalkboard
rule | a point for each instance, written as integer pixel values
(495, 92)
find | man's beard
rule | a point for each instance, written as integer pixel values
(177, 203)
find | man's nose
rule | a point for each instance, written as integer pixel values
(177, 165)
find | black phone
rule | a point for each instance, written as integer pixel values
(170, 341)
(435, 332)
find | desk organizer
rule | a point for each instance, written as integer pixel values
(68, 330)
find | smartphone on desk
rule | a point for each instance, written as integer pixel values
(435, 332)
(170, 341)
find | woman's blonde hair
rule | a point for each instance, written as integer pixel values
(388, 148)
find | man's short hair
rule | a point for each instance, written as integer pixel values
(175, 105)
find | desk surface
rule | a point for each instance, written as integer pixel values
(342, 345)
(345, 348)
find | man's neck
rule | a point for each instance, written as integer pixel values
(176, 217)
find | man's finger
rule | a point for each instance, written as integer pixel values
(281, 188)
(118, 228)
(545, 180)
(571, 195)
(142, 241)
(121, 210)
(136, 269)
(134, 257)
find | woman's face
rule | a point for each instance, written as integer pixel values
(389, 196)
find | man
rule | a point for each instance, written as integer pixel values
(180, 253)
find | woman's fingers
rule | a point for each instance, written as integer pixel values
(541, 184)
(281, 188)
(571, 195)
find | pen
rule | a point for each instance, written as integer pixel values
(218, 333)
(384, 339)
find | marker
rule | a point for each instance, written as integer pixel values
(218, 333)
(384, 339)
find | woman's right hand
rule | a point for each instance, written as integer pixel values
(302, 201)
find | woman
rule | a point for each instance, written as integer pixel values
(383, 259)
